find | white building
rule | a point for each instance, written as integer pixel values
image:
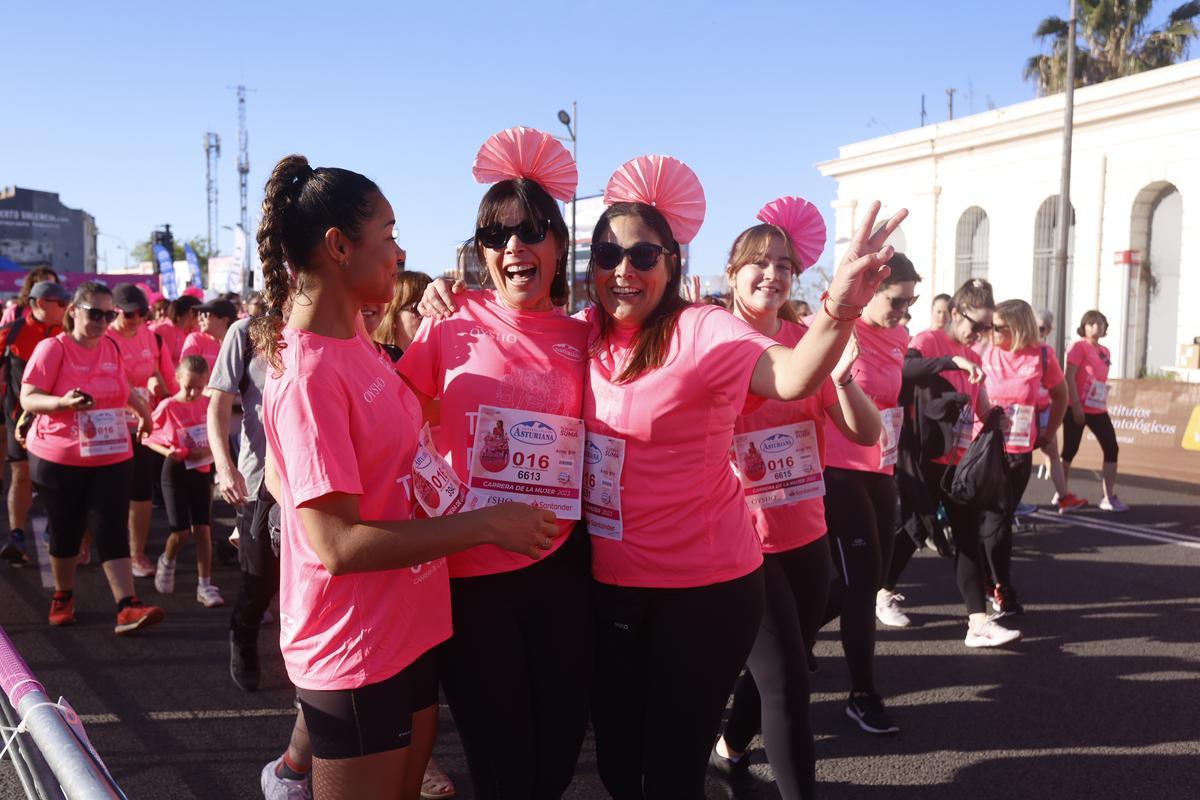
(982, 193)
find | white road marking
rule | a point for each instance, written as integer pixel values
(1166, 537)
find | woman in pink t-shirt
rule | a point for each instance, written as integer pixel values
(780, 453)
(949, 357)
(1088, 363)
(677, 564)
(147, 367)
(1018, 368)
(363, 594)
(509, 351)
(80, 453)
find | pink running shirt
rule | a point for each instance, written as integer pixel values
(1017, 378)
(937, 344)
(489, 354)
(783, 528)
(684, 515)
(172, 337)
(338, 419)
(877, 371)
(201, 344)
(1093, 362)
(58, 365)
(173, 418)
(141, 355)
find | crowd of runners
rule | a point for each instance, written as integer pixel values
(621, 517)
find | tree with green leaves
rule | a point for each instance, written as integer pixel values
(144, 251)
(1113, 41)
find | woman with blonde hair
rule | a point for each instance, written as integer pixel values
(1017, 368)
(399, 319)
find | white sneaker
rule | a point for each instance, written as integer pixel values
(209, 596)
(888, 611)
(277, 788)
(1054, 500)
(989, 634)
(1113, 504)
(164, 575)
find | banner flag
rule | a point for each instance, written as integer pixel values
(166, 273)
(196, 279)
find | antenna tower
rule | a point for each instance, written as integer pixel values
(243, 162)
(212, 155)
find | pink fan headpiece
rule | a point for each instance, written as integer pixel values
(803, 223)
(665, 183)
(531, 154)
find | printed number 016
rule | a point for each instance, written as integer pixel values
(531, 460)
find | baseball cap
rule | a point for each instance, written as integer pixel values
(128, 297)
(186, 302)
(218, 307)
(49, 290)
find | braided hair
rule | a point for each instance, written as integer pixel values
(299, 205)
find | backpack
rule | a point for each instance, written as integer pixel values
(9, 392)
(980, 479)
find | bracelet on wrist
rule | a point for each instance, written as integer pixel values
(825, 298)
(844, 383)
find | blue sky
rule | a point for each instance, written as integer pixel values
(107, 103)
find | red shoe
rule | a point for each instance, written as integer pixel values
(62, 609)
(1069, 503)
(136, 616)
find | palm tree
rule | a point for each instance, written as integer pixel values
(1113, 42)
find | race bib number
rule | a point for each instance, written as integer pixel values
(964, 429)
(194, 438)
(102, 432)
(1020, 425)
(435, 484)
(603, 458)
(779, 466)
(889, 435)
(526, 457)
(131, 416)
(1097, 395)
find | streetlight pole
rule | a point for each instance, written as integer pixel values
(572, 122)
(1064, 197)
(124, 249)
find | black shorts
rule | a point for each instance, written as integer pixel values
(143, 473)
(95, 498)
(15, 451)
(187, 495)
(350, 723)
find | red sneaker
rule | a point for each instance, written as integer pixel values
(1069, 503)
(136, 616)
(62, 609)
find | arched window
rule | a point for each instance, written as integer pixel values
(1154, 298)
(1045, 244)
(971, 246)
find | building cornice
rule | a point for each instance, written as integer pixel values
(1157, 90)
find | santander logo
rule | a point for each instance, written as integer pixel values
(777, 443)
(568, 351)
(533, 432)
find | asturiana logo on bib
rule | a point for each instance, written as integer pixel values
(777, 443)
(422, 460)
(568, 351)
(533, 432)
(592, 454)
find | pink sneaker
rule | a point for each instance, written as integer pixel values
(143, 567)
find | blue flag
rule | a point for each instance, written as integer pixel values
(166, 272)
(194, 263)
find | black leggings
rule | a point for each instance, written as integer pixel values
(998, 528)
(1101, 427)
(187, 494)
(79, 498)
(142, 483)
(518, 672)
(666, 660)
(860, 510)
(965, 523)
(774, 691)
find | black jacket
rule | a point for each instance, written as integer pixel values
(980, 479)
(932, 407)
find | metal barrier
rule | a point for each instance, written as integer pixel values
(50, 752)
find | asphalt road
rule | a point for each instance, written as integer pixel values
(1099, 699)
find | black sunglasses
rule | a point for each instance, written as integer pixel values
(903, 303)
(643, 255)
(977, 327)
(497, 236)
(1044, 329)
(99, 315)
